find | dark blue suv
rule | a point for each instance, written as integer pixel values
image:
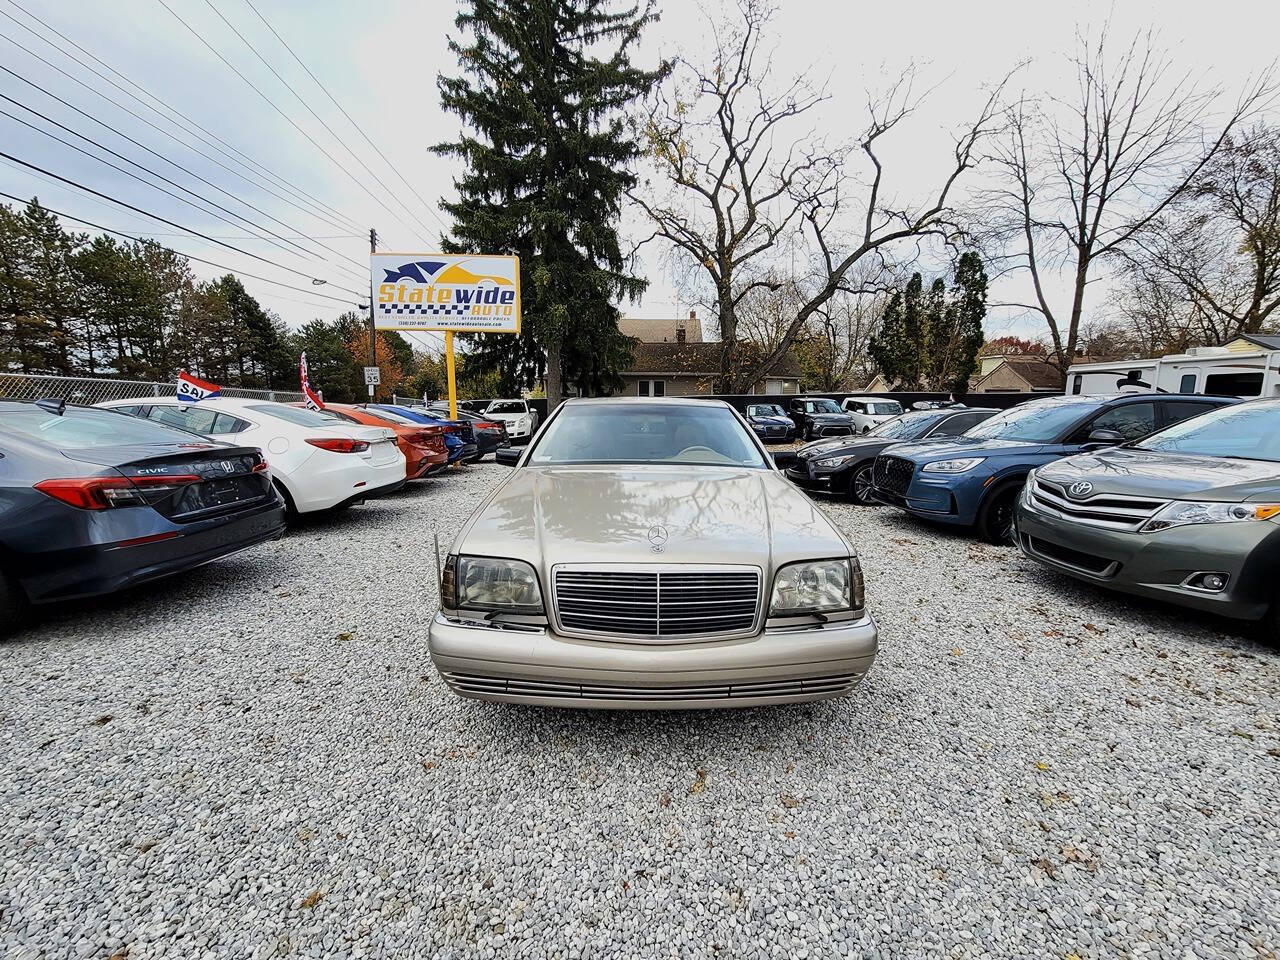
(973, 480)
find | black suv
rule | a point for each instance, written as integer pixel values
(819, 417)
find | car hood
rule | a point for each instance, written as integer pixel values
(830, 417)
(771, 421)
(1123, 470)
(613, 514)
(843, 446)
(929, 450)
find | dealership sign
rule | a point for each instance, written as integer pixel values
(448, 292)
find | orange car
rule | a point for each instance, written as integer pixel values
(422, 445)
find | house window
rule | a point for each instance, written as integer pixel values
(651, 388)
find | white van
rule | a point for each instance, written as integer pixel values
(868, 411)
(1247, 367)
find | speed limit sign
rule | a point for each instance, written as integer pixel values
(372, 376)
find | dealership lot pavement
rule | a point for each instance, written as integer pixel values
(256, 760)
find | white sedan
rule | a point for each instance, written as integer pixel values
(518, 416)
(317, 462)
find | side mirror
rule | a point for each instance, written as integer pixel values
(507, 456)
(1106, 438)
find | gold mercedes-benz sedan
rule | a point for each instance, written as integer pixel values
(647, 554)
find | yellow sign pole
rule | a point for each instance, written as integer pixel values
(453, 383)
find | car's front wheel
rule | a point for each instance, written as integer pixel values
(995, 518)
(860, 485)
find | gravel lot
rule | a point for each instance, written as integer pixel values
(257, 760)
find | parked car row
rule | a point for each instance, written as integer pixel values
(94, 499)
(812, 418)
(1169, 496)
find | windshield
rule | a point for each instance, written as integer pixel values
(906, 427)
(1247, 432)
(83, 428)
(1033, 422)
(647, 433)
(506, 406)
(765, 410)
(821, 406)
(884, 408)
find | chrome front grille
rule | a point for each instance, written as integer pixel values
(1108, 510)
(657, 603)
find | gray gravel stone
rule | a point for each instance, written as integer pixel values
(1033, 768)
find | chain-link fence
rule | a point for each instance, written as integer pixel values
(90, 390)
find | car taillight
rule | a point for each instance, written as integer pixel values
(102, 493)
(339, 444)
(452, 428)
(260, 465)
(487, 425)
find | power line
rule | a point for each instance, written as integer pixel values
(176, 118)
(129, 173)
(117, 233)
(303, 101)
(428, 207)
(143, 146)
(234, 69)
(160, 176)
(145, 213)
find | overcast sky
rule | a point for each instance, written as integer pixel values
(380, 61)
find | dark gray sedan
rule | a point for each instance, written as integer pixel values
(92, 501)
(1189, 515)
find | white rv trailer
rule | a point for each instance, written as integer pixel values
(1247, 367)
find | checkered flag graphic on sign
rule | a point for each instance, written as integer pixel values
(435, 309)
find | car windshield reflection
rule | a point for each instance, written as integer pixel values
(633, 433)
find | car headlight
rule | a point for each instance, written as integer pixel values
(952, 466)
(822, 586)
(834, 461)
(1028, 487)
(488, 583)
(1180, 513)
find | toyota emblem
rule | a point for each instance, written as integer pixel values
(1080, 489)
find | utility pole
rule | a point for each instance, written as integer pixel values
(373, 355)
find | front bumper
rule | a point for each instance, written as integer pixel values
(1157, 565)
(537, 666)
(774, 434)
(812, 480)
(935, 504)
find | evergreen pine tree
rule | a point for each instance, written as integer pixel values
(543, 92)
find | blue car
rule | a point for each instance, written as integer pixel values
(770, 423)
(459, 443)
(973, 481)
